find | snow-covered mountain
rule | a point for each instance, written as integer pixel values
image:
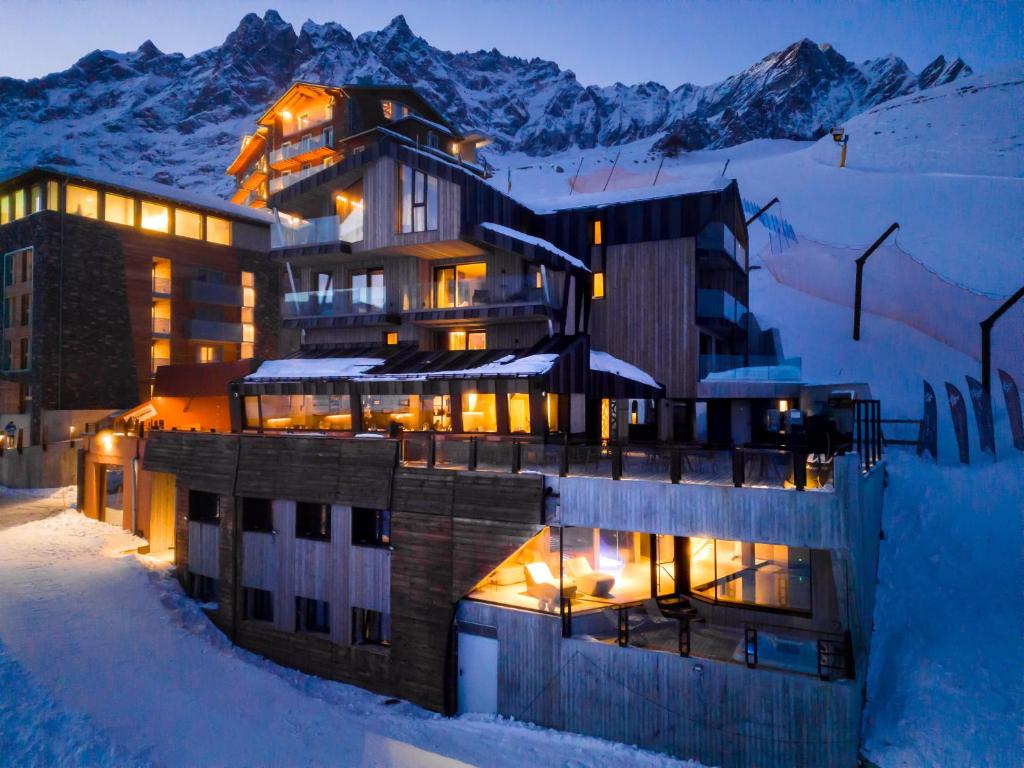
(178, 119)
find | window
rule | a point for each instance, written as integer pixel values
(394, 110)
(208, 353)
(52, 196)
(367, 289)
(188, 224)
(155, 217)
(325, 412)
(37, 198)
(413, 412)
(81, 201)
(597, 234)
(419, 200)
(312, 616)
(551, 408)
(23, 360)
(302, 121)
(257, 515)
(462, 340)
(202, 507)
(313, 521)
(202, 588)
(461, 285)
(599, 285)
(257, 604)
(118, 209)
(5, 209)
(328, 137)
(371, 527)
(19, 204)
(370, 627)
(391, 338)
(218, 230)
(764, 575)
(432, 141)
(26, 300)
(479, 413)
(519, 412)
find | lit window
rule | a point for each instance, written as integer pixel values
(188, 224)
(551, 406)
(599, 285)
(391, 338)
(770, 575)
(248, 333)
(118, 209)
(519, 412)
(597, 232)
(388, 108)
(155, 217)
(248, 297)
(37, 198)
(479, 413)
(52, 196)
(463, 340)
(207, 353)
(456, 340)
(218, 230)
(248, 351)
(19, 204)
(5, 209)
(419, 200)
(248, 279)
(247, 313)
(411, 412)
(82, 201)
(461, 286)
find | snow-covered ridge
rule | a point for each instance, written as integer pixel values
(178, 119)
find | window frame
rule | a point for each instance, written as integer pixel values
(310, 529)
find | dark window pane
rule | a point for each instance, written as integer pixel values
(313, 521)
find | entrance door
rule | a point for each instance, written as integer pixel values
(478, 673)
(111, 494)
(161, 513)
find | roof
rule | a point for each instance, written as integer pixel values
(198, 379)
(150, 189)
(620, 196)
(295, 86)
(536, 242)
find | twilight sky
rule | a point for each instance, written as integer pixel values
(602, 41)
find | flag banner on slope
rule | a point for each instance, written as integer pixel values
(959, 413)
(928, 438)
(1013, 410)
(982, 403)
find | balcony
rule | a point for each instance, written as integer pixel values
(204, 292)
(311, 149)
(441, 300)
(254, 178)
(161, 286)
(161, 326)
(293, 232)
(213, 330)
(157, 362)
(718, 237)
(721, 363)
(716, 305)
(282, 182)
(339, 303)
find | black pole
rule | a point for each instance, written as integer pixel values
(986, 338)
(757, 215)
(860, 277)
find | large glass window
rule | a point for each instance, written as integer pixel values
(348, 207)
(155, 217)
(479, 412)
(19, 204)
(767, 575)
(218, 230)
(461, 285)
(319, 412)
(551, 406)
(38, 200)
(188, 224)
(519, 412)
(371, 527)
(419, 200)
(5, 209)
(118, 209)
(466, 340)
(413, 412)
(82, 201)
(367, 289)
(52, 196)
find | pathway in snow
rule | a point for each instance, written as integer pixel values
(103, 661)
(18, 506)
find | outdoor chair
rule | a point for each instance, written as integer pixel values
(588, 581)
(542, 584)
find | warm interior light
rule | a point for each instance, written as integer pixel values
(783, 406)
(286, 114)
(343, 199)
(106, 441)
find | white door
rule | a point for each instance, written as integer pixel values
(478, 674)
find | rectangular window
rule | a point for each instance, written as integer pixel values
(37, 198)
(519, 412)
(202, 507)
(155, 217)
(551, 408)
(370, 627)
(248, 350)
(5, 209)
(419, 200)
(118, 209)
(313, 521)
(25, 308)
(413, 412)
(257, 515)
(463, 340)
(23, 360)
(207, 353)
(218, 230)
(366, 289)
(19, 204)
(599, 285)
(202, 588)
(312, 616)
(188, 224)
(52, 196)
(258, 604)
(750, 573)
(479, 412)
(462, 285)
(597, 237)
(81, 201)
(371, 527)
(391, 338)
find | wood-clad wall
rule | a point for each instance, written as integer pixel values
(203, 549)
(650, 289)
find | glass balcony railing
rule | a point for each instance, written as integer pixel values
(308, 144)
(282, 182)
(205, 292)
(719, 305)
(718, 237)
(215, 330)
(721, 363)
(348, 301)
(162, 285)
(292, 232)
(483, 291)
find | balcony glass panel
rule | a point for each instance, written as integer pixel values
(306, 144)
(212, 330)
(281, 182)
(206, 292)
(337, 303)
(770, 575)
(721, 305)
(293, 232)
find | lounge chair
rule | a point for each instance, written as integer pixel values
(542, 584)
(589, 581)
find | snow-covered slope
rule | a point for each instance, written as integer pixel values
(179, 119)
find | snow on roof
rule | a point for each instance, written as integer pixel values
(313, 368)
(537, 242)
(509, 365)
(436, 154)
(758, 373)
(692, 186)
(150, 187)
(602, 361)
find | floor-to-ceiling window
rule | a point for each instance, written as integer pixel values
(750, 573)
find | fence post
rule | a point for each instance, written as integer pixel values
(617, 461)
(432, 451)
(737, 467)
(563, 458)
(799, 469)
(750, 646)
(471, 459)
(676, 465)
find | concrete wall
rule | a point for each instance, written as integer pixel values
(55, 467)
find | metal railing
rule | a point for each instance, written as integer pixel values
(484, 291)
(720, 305)
(213, 330)
(867, 431)
(301, 147)
(346, 301)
